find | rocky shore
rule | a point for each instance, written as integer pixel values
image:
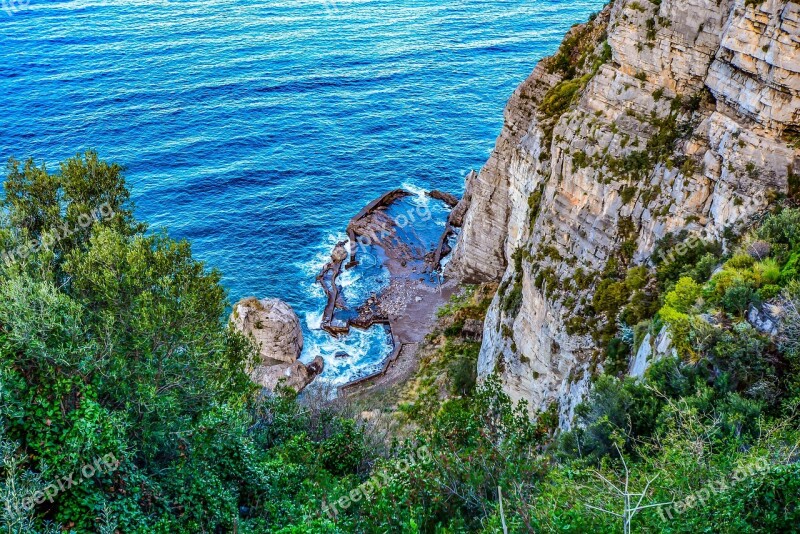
(402, 234)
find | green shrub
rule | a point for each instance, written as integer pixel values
(737, 299)
(560, 97)
(513, 300)
(463, 375)
(764, 502)
(344, 451)
(782, 228)
(636, 278)
(684, 296)
(610, 296)
(679, 326)
(677, 255)
(702, 271)
(769, 271)
(769, 292)
(791, 271)
(740, 261)
(617, 355)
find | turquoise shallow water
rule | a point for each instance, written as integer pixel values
(256, 129)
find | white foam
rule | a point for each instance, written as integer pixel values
(366, 349)
(420, 197)
(314, 319)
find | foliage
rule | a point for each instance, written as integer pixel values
(115, 341)
(684, 296)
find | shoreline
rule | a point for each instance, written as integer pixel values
(417, 289)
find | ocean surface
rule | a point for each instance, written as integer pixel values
(257, 129)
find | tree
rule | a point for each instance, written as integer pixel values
(632, 501)
(115, 342)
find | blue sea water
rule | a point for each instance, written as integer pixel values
(257, 128)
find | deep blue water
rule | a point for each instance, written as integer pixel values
(257, 128)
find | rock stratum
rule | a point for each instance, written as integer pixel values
(653, 118)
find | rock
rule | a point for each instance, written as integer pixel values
(273, 325)
(472, 329)
(547, 188)
(292, 375)
(456, 218)
(447, 198)
(759, 250)
(339, 253)
(640, 362)
(710, 319)
(650, 351)
(341, 355)
(275, 328)
(316, 367)
(762, 320)
(663, 344)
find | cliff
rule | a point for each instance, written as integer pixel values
(653, 118)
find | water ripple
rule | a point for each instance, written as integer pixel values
(257, 128)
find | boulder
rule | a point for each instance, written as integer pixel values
(763, 319)
(275, 328)
(292, 375)
(273, 325)
(339, 253)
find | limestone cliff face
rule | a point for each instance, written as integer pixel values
(650, 119)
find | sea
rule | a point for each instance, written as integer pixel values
(255, 129)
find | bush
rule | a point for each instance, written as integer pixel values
(769, 292)
(769, 271)
(617, 355)
(684, 296)
(636, 278)
(737, 299)
(344, 451)
(741, 352)
(679, 326)
(560, 97)
(783, 228)
(610, 296)
(790, 320)
(791, 271)
(764, 502)
(676, 255)
(740, 261)
(513, 300)
(704, 268)
(463, 376)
